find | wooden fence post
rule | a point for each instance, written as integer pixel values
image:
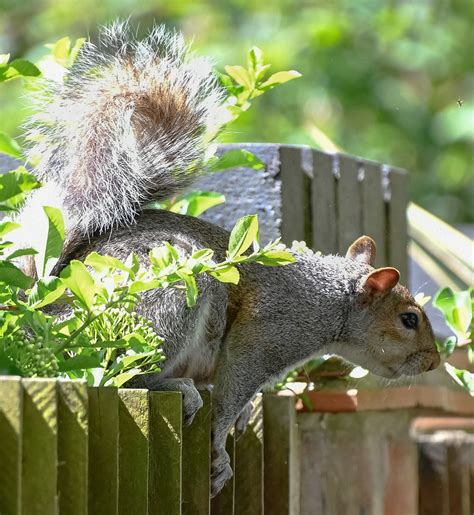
(373, 208)
(196, 461)
(323, 203)
(248, 465)
(295, 196)
(40, 443)
(11, 414)
(103, 450)
(397, 222)
(133, 451)
(72, 447)
(164, 492)
(349, 204)
(281, 468)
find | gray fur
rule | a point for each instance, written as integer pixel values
(128, 126)
(240, 338)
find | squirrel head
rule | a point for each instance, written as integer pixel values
(391, 332)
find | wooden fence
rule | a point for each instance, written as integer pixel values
(328, 200)
(66, 448)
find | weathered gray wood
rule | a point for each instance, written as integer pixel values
(349, 203)
(40, 431)
(323, 204)
(458, 472)
(248, 465)
(196, 461)
(373, 208)
(133, 451)
(11, 401)
(295, 196)
(72, 447)
(103, 450)
(397, 222)
(281, 470)
(433, 494)
(164, 491)
(223, 502)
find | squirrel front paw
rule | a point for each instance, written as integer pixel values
(192, 401)
(221, 471)
(244, 418)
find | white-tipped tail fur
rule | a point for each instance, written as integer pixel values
(128, 125)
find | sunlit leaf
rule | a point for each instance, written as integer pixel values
(78, 279)
(242, 235)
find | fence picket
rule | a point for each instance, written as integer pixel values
(373, 208)
(248, 465)
(397, 222)
(295, 196)
(72, 447)
(349, 204)
(103, 450)
(11, 400)
(281, 469)
(133, 451)
(323, 204)
(40, 443)
(164, 493)
(196, 461)
(223, 503)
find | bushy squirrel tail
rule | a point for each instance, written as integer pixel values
(129, 124)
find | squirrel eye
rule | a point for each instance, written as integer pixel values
(409, 320)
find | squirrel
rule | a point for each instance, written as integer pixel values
(130, 125)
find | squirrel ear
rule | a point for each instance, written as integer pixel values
(363, 250)
(381, 280)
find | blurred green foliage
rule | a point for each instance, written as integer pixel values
(387, 80)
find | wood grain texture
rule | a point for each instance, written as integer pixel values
(295, 196)
(248, 464)
(73, 442)
(323, 204)
(397, 222)
(103, 450)
(133, 451)
(349, 203)
(166, 439)
(40, 444)
(281, 467)
(373, 209)
(11, 403)
(196, 461)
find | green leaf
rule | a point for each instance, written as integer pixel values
(14, 186)
(9, 146)
(456, 308)
(17, 68)
(4, 58)
(46, 291)
(120, 379)
(229, 274)
(243, 235)
(21, 252)
(7, 365)
(13, 276)
(54, 239)
(80, 362)
(196, 202)
(278, 78)
(6, 227)
(77, 278)
(61, 50)
(75, 50)
(191, 288)
(275, 258)
(238, 158)
(99, 263)
(141, 286)
(240, 75)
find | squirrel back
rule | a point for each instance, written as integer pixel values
(130, 124)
